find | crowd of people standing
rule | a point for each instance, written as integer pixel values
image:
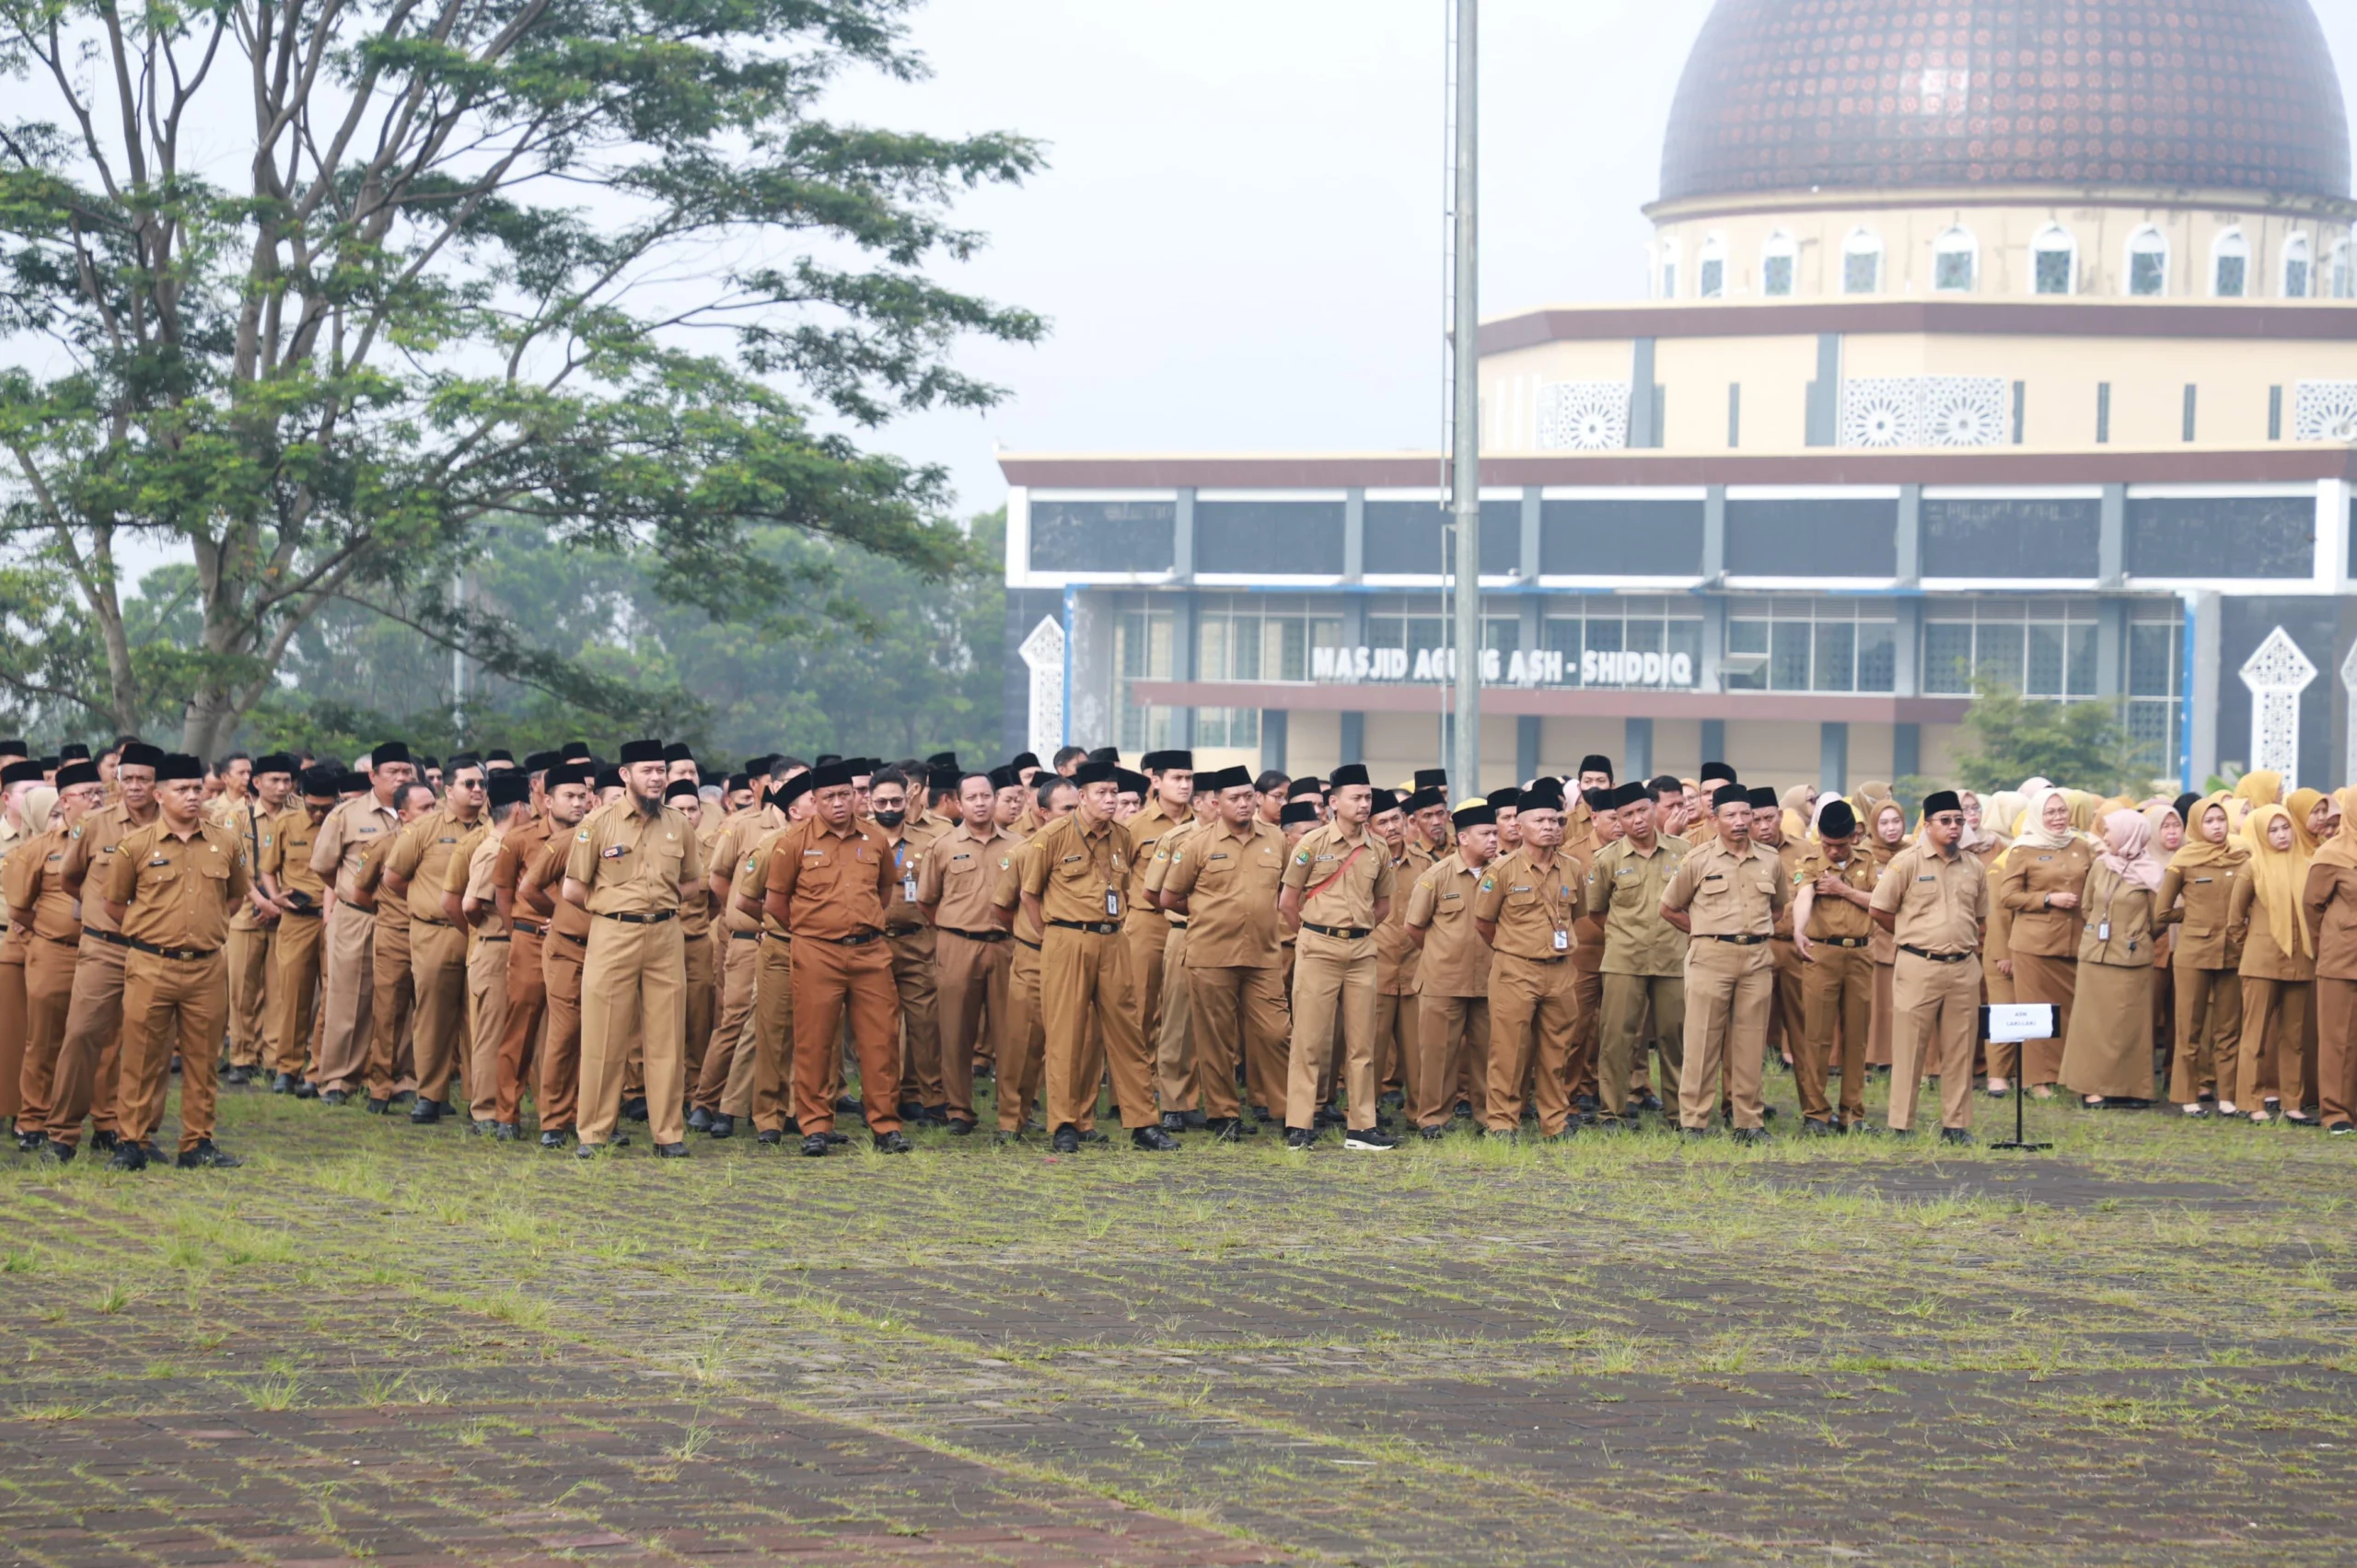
(559, 947)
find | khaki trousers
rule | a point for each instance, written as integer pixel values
(1176, 1071)
(1837, 999)
(298, 952)
(1636, 1007)
(2336, 1050)
(486, 1024)
(347, 1024)
(704, 999)
(14, 1027)
(250, 968)
(1449, 1032)
(1085, 995)
(562, 966)
(832, 982)
(1587, 1026)
(1728, 987)
(2209, 1033)
(1333, 991)
(1023, 1049)
(392, 1003)
(519, 1032)
(2275, 1027)
(633, 994)
(768, 1088)
(1788, 1013)
(89, 1063)
(1935, 1024)
(437, 968)
(49, 996)
(1149, 934)
(1238, 1015)
(166, 1001)
(1395, 1039)
(2039, 978)
(1532, 1013)
(922, 1073)
(740, 962)
(973, 1009)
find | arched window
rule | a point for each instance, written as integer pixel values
(1669, 269)
(1955, 261)
(2230, 265)
(2299, 270)
(1711, 268)
(2054, 261)
(1779, 259)
(1861, 263)
(2148, 262)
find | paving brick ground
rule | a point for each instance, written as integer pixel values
(380, 1343)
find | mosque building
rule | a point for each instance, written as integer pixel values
(2007, 341)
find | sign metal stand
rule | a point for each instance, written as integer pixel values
(2013, 1023)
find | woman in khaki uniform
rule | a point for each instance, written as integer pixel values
(1885, 822)
(2196, 891)
(2330, 907)
(2046, 871)
(2108, 1051)
(2278, 966)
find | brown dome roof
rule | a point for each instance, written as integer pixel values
(1784, 95)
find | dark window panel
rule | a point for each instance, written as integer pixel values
(1103, 535)
(1813, 539)
(2011, 538)
(2241, 536)
(1620, 538)
(1405, 538)
(1274, 537)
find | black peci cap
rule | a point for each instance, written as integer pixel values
(509, 787)
(1941, 800)
(79, 772)
(1350, 776)
(1236, 777)
(1730, 794)
(1432, 778)
(1385, 800)
(1503, 799)
(833, 773)
(1762, 798)
(1715, 771)
(1544, 795)
(322, 781)
(1127, 783)
(1597, 763)
(1297, 812)
(139, 754)
(1163, 761)
(178, 765)
(1837, 821)
(1096, 769)
(1423, 799)
(1474, 814)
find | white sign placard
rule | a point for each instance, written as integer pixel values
(2012, 1022)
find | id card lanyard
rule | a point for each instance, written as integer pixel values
(1112, 889)
(1554, 911)
(907, 874)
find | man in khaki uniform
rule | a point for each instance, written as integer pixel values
(1168, 806)
(1173, 1040)
(921, 1097)
(1934, 898)
(299, 949)
(760, 1083)
(1725, 896)
(417, 872)
(564, 929)
(1338, 888)
(1644, 956)
(170, 888)
(1022, 1069)
(628, 864)
(686, 796)
(48, 926)
(1601, 826)
(1833, 929)
(1453, 973)
(246, 808)
(88, 1063)
(1525, 909)
(1072, 889)
(724, 1086)
(471, 894)
(392, 1003)
(1397, 965)
(970, 948)
(1786, 1017)
(1223, 876)
(337, 850)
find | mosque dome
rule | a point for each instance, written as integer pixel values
(1783, 96)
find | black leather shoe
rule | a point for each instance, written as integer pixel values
(237, 1078)
(1155, 1139)
(30, 1143)
(379, 1107)
(836, 1140)
(1001, 1138)
(814, 1147)
(405, 1096)
(699, 1120)
(768, 1136)
(935, 1116)
(1173, 1121)
(1812, 1127)
(1955, 1135)
(588, 1151)
(102, 1141)
(1066, 1140)
(505, 1131)
(284, 1084)
(206, 1155)
(305, 1089)
(618, 1141)
(1751, 1134)
(128, 1157)
(892, 1144)
(849, 1105)
(910, 1110)
(1223, 1129)
(1091, 1135)
(335, 1096)
(1462, 1111)
(424, 1113)
(1301, 1137)
(1195, 1120)
(1695, 1132)
(1651, 1102)
(481, 1129)
(1431, 1134)
(634, 1110)
(720, 1127)
(555, 1137)
(670, 1151)
(959, 1127)
(57, 1153)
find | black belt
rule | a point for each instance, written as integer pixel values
(1178, 925)
(1549, 958)
(184, 954)
(107, 937)
(1343, 933)
(576, 941)
(74, 941)
(658, 918)
(976, 935)
(1936, 958)
(902, 929)
(528, 929)
(311, 910)
(482, 938)
(427, 919)
(856, 939)
(1095, 927)
(1033, 945)
(1840, 941)
(744, 936)
(1738, 941)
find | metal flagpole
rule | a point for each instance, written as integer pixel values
(1465, 477)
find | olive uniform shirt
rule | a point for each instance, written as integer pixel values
(1158, 870)
(522, 845)
(33, 875)
(1627, 885)
(1533, 899)
(422, 857)
(180, 891)
(1398, 960)
(1831, 919)
(345, 837)
(1727, 894)
(957, 876)
(94, 848)
(286, 858)
(1939, 900)
(1344, 899)
(1230, 882)
(836, 882)
(1455, 961)
(631, 863)
(1146, 830)
(1073, 867)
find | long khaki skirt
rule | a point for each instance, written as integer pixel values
(2108, 1050)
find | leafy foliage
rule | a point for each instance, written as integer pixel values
(2008, 737)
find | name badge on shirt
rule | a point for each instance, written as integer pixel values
(614, 851)
(909, 887)
(2102, 932)
(1562, 941)
(1112, 900)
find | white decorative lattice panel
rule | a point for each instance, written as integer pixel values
(1882, 411)
(1044, 653)
(2325, 411)
(1966, 410)
(2348, 684)
(2276, 673)
(1584, 417)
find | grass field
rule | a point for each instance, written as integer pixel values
(380, 1342)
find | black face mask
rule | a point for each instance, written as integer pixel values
(890, 819)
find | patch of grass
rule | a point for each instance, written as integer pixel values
(279, 1392)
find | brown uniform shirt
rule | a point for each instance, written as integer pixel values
(1073, 867)
(1230, 882)
(631, 863)
(180, 891)
(522, 844)
(2198, 900)
(907, 853)
(368, 877)
(1455, 961)
(34, 875)
(835, 883)
(422, 856)
(1831, 919)
(1398, 959)
(1938, 900)
(1627, 885)
(2329, 903)
(2267, 954)
(1347, 900)
(287, 855)
(1007, 889)
(247, 823)
(92, 850)
(2031, 874)
(1535, 901)
(1146, 830)
(2118, 927)
(1727, 894)
(1158, 870)
(345, 837)
(739, 836)
(471, 875)
(956, 876)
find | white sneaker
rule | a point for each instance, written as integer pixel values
(1374, 1138)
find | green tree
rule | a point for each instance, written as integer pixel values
(320, 291)
(2009, 738)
